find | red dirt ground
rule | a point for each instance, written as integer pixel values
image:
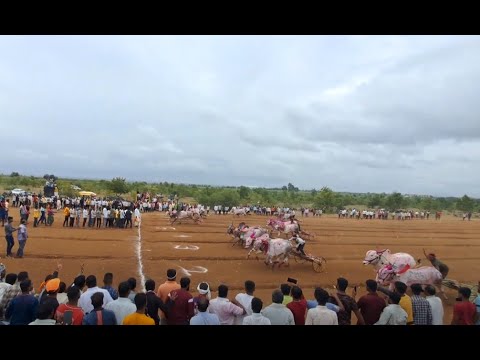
(342, 242)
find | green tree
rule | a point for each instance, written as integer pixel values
(14, 174)
(465, 204)
(375, 200)
(394, 201)
(118, 186)
(325, 199)
(244, 192)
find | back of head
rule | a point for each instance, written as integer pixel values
(150, 285)
(321, 296)
(184, 282)
(342, 284)
(25, 285)
(22, 275)
(79, 281)
(257, 305)
(297, 293)
(223, 291)
(465, 292)
(371, 285)
(416, 289)
(249, 286)
(400, 287)
(430, 290)
(108, 278)
(45, 310)
(285, 288)
(11, 278)
(203, 304)
(62, 288)
(277, 296)
(73, 293)
(123, 289)
(140, 300)
(133, 283)
(97, 299)
(171, 274)
(394, 298)
(91, 281)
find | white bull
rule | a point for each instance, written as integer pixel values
(424, 275)
(184, 215)
(276, 250)
(239, 211)
(399, 261)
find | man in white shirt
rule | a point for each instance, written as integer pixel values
(85, 302)
(256, 318)
(277, 313)
(105, 216)
(436, 305)
(300, 243)
(246, 300)
(85, 216)
(137, 216)
(225, 309)
(123, 306)
(393, 314)
(321, 315)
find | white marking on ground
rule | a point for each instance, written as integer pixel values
(195, 269)
(139, 256)
(186, 247)
(182, 236)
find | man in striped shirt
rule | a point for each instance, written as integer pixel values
(422, 311)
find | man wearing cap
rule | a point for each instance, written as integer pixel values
(51, 288)
(422, 311)
(165, 289)
(9, 230)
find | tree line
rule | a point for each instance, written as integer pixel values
(287, 196)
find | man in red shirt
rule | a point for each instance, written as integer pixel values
(298, 306)
(464, 312)
(371, 305)
(181, 310)
(73, 295)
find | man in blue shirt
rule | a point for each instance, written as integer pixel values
(22, 309)
(203, 317)
(99, 315)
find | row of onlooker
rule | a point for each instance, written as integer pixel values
(84, 303)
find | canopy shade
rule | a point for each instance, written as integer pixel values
(86, 193)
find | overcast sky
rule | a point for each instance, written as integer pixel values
(355, 113)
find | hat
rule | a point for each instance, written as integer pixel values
(52, 285)
(416, 288)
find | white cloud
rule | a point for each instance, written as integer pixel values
(357, 113)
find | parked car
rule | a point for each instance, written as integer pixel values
(18, 191)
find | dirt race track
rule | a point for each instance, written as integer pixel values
(343, 242)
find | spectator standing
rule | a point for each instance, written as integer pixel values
(277, 313)
(225, 309)
(393, 314)
(98, 316)
(422, 311)
(464, 312)
(139, 317)
(321, 315)
(298, 306)
(436, 305)
(371, 305)
(203, 317)
(123, 306)
(256, 318)
(245, 299)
